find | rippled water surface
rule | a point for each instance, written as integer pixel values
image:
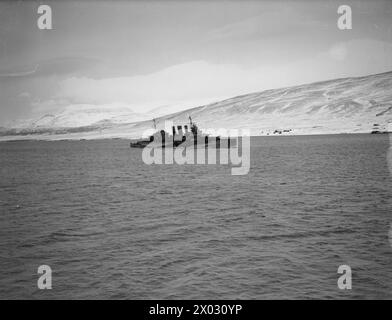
(112, 227)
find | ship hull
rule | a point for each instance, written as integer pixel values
(221, 143)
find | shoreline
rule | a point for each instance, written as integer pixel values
(131, 138)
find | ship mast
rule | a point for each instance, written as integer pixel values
(193, 126)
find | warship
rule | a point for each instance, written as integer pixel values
(184, 136)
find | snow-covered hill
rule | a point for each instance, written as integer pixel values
(347, 105)
(81, 115)
(338, 106)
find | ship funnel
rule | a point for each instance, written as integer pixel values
(179, 130)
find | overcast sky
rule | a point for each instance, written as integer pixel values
(147, 54)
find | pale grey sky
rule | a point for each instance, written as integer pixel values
(146, 54)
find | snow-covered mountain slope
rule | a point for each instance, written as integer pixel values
(335, 106)
(347, 105)
(81, 115)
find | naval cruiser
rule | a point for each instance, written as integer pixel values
(184, 136)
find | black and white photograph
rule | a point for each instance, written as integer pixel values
(183, 150)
